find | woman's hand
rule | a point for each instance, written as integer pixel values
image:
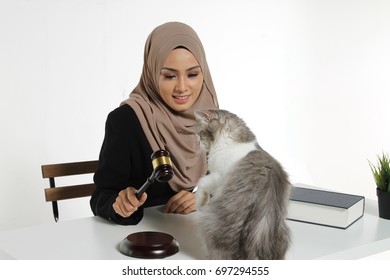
(127, 203)
(181, 203)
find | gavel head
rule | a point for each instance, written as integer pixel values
(162, 166)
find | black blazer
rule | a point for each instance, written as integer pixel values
(124, 161)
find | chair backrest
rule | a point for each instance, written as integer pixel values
(55, 193)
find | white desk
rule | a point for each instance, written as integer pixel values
(94, 238)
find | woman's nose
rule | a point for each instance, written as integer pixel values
(181, 85)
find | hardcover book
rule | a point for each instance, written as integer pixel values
(328, 208)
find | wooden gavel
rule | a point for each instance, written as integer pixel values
(162, 170)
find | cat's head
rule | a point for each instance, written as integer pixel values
(215, 125)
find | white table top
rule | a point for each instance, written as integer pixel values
(95, 238)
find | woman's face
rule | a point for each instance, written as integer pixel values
(181, 80)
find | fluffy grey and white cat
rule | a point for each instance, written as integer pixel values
(243, 199)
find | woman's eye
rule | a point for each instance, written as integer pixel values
(169, 77)
(193, 75)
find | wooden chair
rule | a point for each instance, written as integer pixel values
(55, 193)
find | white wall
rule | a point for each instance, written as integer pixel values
(311, 78)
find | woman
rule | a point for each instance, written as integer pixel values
(159, 114)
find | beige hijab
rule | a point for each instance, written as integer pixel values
(164, 128)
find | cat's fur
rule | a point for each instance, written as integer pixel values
(243, 199)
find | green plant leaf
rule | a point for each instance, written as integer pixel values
(381, 172)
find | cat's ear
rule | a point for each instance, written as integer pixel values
(214, 125)
(203, 116)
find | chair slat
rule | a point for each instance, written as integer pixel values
(66, 169)
(61, 193)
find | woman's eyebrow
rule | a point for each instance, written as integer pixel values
(175, 70)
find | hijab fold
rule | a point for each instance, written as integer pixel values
(165, 128)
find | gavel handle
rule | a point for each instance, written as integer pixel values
(144, 187)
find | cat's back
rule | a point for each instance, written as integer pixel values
(259, 161)
(257, 176)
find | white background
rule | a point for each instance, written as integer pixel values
(311, 78)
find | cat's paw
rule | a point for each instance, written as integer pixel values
(202, 198)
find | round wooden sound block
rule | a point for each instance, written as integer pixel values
(149, 245)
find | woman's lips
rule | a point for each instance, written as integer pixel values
(182, 99)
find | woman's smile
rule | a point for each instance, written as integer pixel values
(181, 99)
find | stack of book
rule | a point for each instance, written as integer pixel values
(312, 205)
